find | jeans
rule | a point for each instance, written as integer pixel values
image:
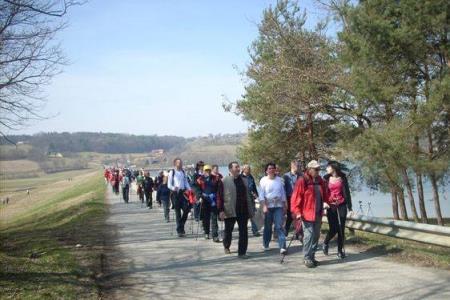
(333, 222)
(148, 198)
(311, 234)
(209, 218)
(274, 215)
(242, 221)
(182, 209)
(166, 206)
(126, 193)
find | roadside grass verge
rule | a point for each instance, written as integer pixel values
(400, 250)
(39, 257)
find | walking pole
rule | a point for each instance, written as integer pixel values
(290, 242)
(340, 228)
(199, 216)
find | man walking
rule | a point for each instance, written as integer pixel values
(307, 204)
(290, 178)
(247, 174)
(235, 206)
(178, 184)
(148, 189)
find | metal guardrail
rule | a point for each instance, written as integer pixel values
(424, 233)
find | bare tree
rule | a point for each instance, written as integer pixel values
(30, 56)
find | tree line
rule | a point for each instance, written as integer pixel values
(376, 95)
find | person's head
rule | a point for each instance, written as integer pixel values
(207, 170)
(277, 170)
(313, 168)
(199, 167)
(246, 169)
(234, 168)
(215, 169)
(271, 169)
(147, 173)
(161, 173)
(295, 166)
(334, 168)
(178, 163)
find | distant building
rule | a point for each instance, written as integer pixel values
(158, 151)
(55, 155)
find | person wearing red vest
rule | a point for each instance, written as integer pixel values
(308, 200)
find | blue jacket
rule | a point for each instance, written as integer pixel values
(163, 193)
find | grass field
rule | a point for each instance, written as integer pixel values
(39, 257)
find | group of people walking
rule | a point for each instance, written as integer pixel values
(294, 201)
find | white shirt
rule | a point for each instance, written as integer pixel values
(179, 181)
(272, 192)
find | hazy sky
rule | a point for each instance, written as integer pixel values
(155, 66)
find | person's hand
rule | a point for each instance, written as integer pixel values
(298, 217)
(175, 189)
(265, 209)
(222, 215)
(325, 205)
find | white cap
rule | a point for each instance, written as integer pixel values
(313, 165)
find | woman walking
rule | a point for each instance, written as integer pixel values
(339, 200)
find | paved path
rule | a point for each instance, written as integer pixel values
(149, 262)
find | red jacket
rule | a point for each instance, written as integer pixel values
(303, 201)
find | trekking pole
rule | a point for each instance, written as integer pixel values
(290, 242)
(199, 216)
(340, 228)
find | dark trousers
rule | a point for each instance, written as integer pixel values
(197, 211)
(148, 198)
(289, 220)
(166, 206)
(333, 223)
(209, 218)
(126, 193)
(242, 221)
(182, 209)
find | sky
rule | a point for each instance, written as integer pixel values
(154, 67)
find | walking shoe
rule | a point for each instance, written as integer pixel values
(206, 236)
(167, 221)
(283, 251)
(227, 251)
(309, 264)
(180, 235)
(257, 234)
(243, 256)
(266, 248)
(341, 255)
(315, 262)
(325, 249)
(216, 240)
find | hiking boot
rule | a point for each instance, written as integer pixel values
(206, 236)
(227, 251)
(315, 262)
(216, 240)
(256, 234)
(283, 251)
(309, 264)
(266, 248)
(325, 249)
(341, 255)
(243, 256)
(181, 235)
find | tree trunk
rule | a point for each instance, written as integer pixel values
(394, 203)
(434, 186)
(401, 202)
(437, 205)
(423, 211)
(312, 146)
(410, 195)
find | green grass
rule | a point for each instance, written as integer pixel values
(38, 257)
(404, 251)
(25, 183)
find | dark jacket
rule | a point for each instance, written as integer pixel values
(163, 193)
(345, 190)
(148, 184)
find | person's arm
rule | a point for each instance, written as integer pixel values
(220, 197)
(170, 180)
(297, 198)
(348, 198)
